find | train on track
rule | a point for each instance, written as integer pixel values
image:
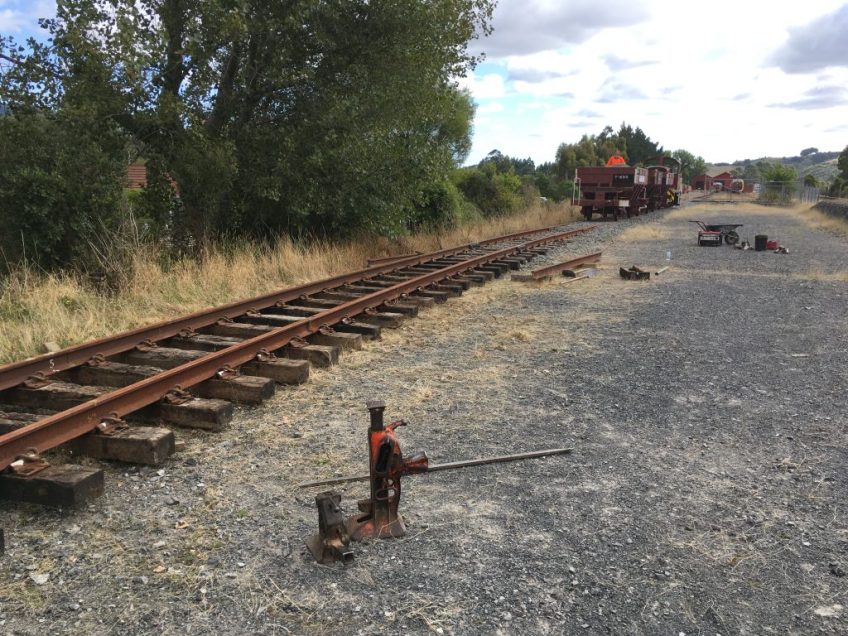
(619, 190)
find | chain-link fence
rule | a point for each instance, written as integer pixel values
(785, 193)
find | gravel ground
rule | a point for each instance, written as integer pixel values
(706, 493)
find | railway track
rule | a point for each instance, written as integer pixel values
(189, 371)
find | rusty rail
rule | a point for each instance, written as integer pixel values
(15, 373)
(556, 268)
(546, 272)
(79, 420)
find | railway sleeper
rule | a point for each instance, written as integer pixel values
(236, 329)
(453, 291)
(437, 296)
(245, 389)
(383, 319)
(363, 330)
(496, 270)
(512, 263)
(419, 302)
(321, 356)
(205, 413)
(13, 418)
(475, 280)
(66, 486)
(485, 274)
(279, 370)
(136, 445)
(392, 307)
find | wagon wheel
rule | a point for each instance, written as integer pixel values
(731, 237)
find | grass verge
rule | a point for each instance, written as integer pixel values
(66, 308)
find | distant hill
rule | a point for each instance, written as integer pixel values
(822, 165)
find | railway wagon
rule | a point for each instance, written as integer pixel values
(658, 178)
(674, 183)
(612, 191)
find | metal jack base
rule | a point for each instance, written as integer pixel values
(332, 543)
(366, 526)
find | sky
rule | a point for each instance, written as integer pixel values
(726, 80)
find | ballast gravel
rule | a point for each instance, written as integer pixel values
(706, 493)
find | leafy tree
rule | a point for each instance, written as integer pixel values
(59, 188)
(778, 173)
(692, 165)
(809, 151)
(493, 193)
(638, 145)
(285, 116)
(810, 181)
(839, 188)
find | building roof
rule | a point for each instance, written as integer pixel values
(724, 175)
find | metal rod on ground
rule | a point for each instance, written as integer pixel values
(662, 269)
(449, 466)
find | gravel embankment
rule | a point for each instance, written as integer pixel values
(834, 207)
(706, 493)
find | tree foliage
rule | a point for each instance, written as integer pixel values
(329, 117)
(594, 150)
(692, 166)
(842, 164)
(778, 173)
(58, 188)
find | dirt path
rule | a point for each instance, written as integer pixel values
(706, 495)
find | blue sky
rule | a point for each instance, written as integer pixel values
(726, 79)
(20, 17)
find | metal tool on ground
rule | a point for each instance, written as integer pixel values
(634, 273)
(379, 517)
(661, 270)
(332, 543)
(566, 268)
(715, 233)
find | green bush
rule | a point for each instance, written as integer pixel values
(59, 188)
(441, 207)
(493, 193)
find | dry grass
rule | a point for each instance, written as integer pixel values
(64, 308)
(820, 221)
(645, 233)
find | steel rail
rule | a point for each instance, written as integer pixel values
(15, 373)
(83, 418)
(542, 272)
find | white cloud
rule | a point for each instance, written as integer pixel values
(696, 78)
(528, 26)
(11, 21)
(490, 108)
(818, 45)
(490, 86)
(20, 17)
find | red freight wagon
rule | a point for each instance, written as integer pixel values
(657, 187)
(612, 190)
(673, 181)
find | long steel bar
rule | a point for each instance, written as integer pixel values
(15, 373)
(72, 423)
(435, 468)
(556, 268)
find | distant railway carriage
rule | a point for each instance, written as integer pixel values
(657, 187)
(614, 191)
